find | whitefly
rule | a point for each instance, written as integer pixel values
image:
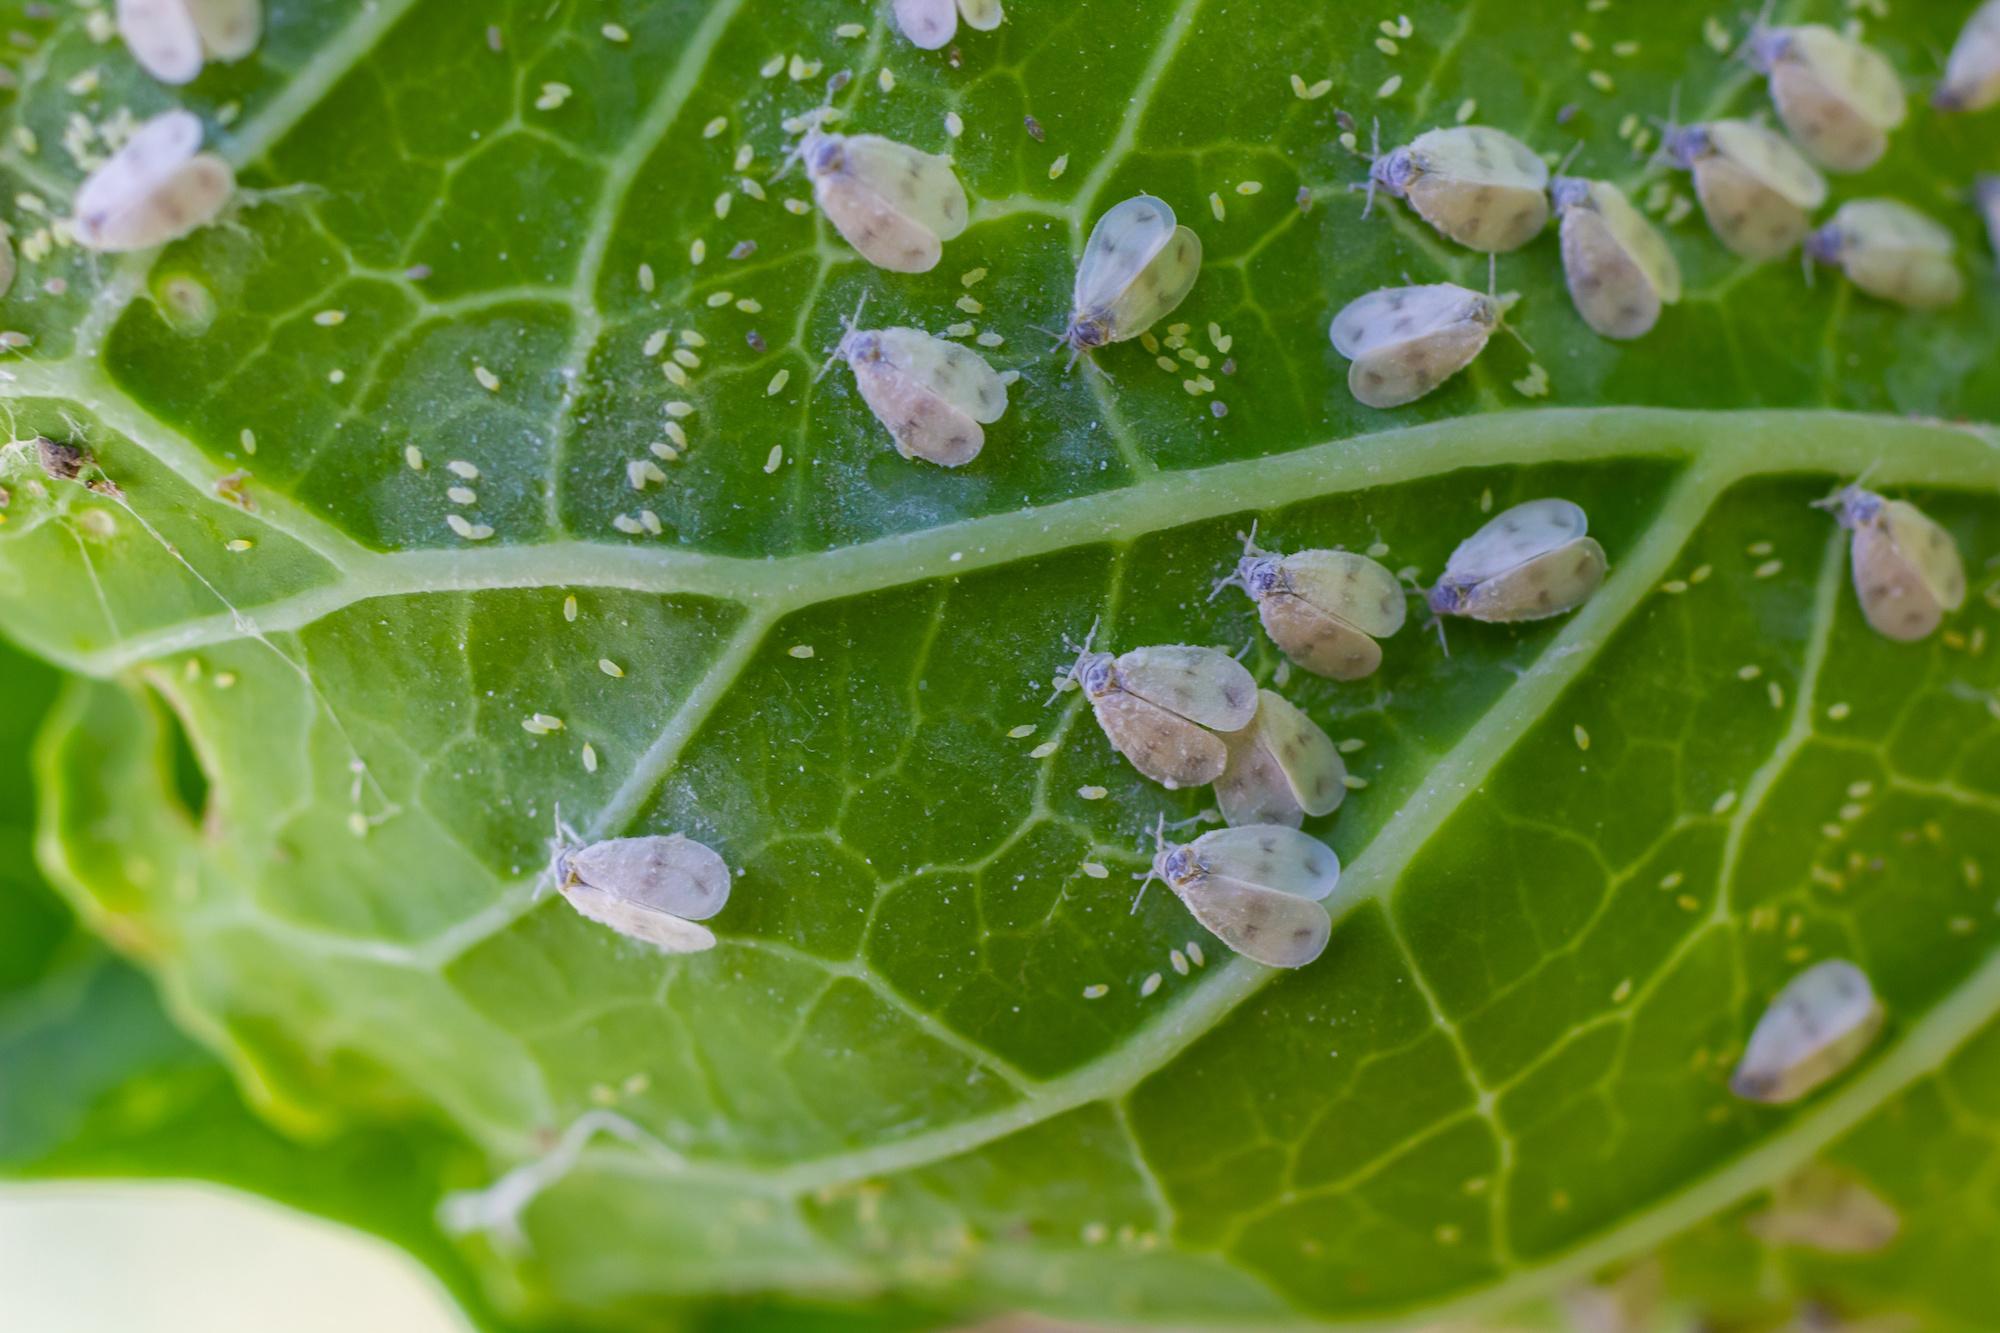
(1479, 186)
(1815, 1027)
(896, 205)
(1972, 71)
(1619, 269)
(1260, 889)
(1162, 707)
(1755, 189)
(1532, 561)
(159, 186)
(654, 889)
(1891, 251)
(1324, 609)
(1907, 570)
(1405, 341)
(1138, 264)
(929, 24)
(1282, 767)
(172, 39)
(1838, 97)
(933, 396)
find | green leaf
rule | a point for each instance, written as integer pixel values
(1588, 849)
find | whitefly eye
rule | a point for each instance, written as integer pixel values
(652, 889)
(1972, 72)
(157, 187)
(1138, 264)
(896, 205)
(1477, 185)
(1891, 251)
(933, 396)
(1815, 1027)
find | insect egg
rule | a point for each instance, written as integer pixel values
(1481, 187)
(929, 24)
(1259, 889)
(1972, 73)
(1890, 250)
(1838, 98)
(931, 394)
(1405, 341)
(1160, 707)
(652, 889)
(171, 38)
(1137, 266)
(1755, 189)
(893, 203)
(1907, 570)
(1324, 609)
(1282, 767)
(154, 189)
(1618, 266)
(1527, 563)
(1814, 1028)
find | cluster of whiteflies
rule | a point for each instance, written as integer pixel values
(1490, 192)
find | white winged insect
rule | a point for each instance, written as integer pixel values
(1890, 250)
(1137, 266)
(1160, 707)
(1823, 1208)
(1480, 186)
(653, 889)
(1815, 1027)
(1755, 189)
(1972, 72)
(895, 204)
(1528, 563)
(154, 189)
(172, 39)
(1258, 889)
(1907, 570)
(931, 394)
(1282, 767)
(1405, 341)
(1324, 609)
(1838, 98)
(929, 24)
(1619, 268)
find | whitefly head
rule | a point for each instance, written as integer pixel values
(1824, 245)
(1766, 45)
(823, 154)
(1257, 571)
(1091, 671)
(1685, 145)
(1852, 506)
(1174, 864)
(1567, 192)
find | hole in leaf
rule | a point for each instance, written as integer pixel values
(188, 780)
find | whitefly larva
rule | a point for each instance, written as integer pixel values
(1282, 767)
(1814, 1028)
(1160, 707)
(1480, 186)
(1618, 266)
(1838, 97)
(1530, 562)
(1890, 250)
(1907, 570)
(1972, 72)
(171, 39)
(1755, 189)
(1324, 609)
(653, 889)
(929, 24)
(1405, 341)
(157, 187)
(932, 395)
(1258, 889)
(1137, 266)
(895, 204)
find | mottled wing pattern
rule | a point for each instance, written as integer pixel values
(1922, 279)
(1122, 243)
(1514, 536)
(1392, 376)
(1315, 640)
(1312, 767)
(1481, 155)
(919, 185)
(1275, 929)
(1640, 239)
(1166, 748)
(187, 199)
(671, 873)
(1160, 286)
(883, 234)
(1827, 126)
(1547, 585)
(1747, 215)
(1931, 548)
(148, 160)
(1855, 72)
(953, 372)
(1350, 587)
(1281, 859)
(1396, 315)
(922, 424)
(1253, 788)
(665, 931)
(1972, 72)
(1611, 290)
(1767, 156)
(1200, 684)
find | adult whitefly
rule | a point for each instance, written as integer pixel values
(1890, 250)
(171, 39)
(1405, 341)
(1282, 767)
(1258, 889)
(1161, 706)
(1907, 570)
(1529, 562)
(653, 888)
(1324, 609)
(1137, 266)
(1972, 72)
(1838, 97)
(1823, 1208)
(229, 28)
(1816, 1026)
(1477, 185)
(1755, 189)
(158, 187)
(932, 395)
(895, 204)
(1619, 269)
(929, 24)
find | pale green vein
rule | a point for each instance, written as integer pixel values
(309, 87)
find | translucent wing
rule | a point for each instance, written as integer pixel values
(1253, 789)
(953, 372)
(1122, 243)
(1312, 766)
(1547, 585)
(1396, 315)
(668, 874)
(1315, 640)
(189, 198)
(1907, 572)
(929, 24)
(1349, 586)
(1612, 293)
(1823, 1208)
(1640, 238)
(1479, 154)
(1166, 748)
(1275, 929)
(1825, 124)
(1768, 157)
(1815, 1027)
(1514, 537)
(1200, 684)
(1921, 279)
(162, 37)
(923, 424)
(983, 15)
(669, 933)
(1747, 215)
(1930, 548)
(1160, 286)
(229, 28)
(1479, 186)
(919, 185)
(1392, 376)
(1270, 857)
(1855, 73)
(1972, 73)
(148, 160)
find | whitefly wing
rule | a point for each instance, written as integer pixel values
(1619, 270)
(1514, 537)
(664, 930)
(1322, 644)
(229, 28)
(1972, 72)
(1122, 243)
(921, 186)
(1814, 1028)
(921, 422)
(1270, 857)
(1772, 160)
(671, 873)
(1854, 73)
(1480, 186)
(1350, 587)
(1548, 585)
(1890, 250)
(982, 15)
(1161, 285)
(1200, 684)
(1396, 315)
(1275, 929)
(929, 24)
(162, 37)
(1907, 571)
(1930, 548)
(1164, 746)
(950, 370)
(1306, 755)
(162, 146)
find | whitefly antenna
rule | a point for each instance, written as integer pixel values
(1068, 680)
(1152, 871)
(1235, 579)
(1374, 156)
(848, 322)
